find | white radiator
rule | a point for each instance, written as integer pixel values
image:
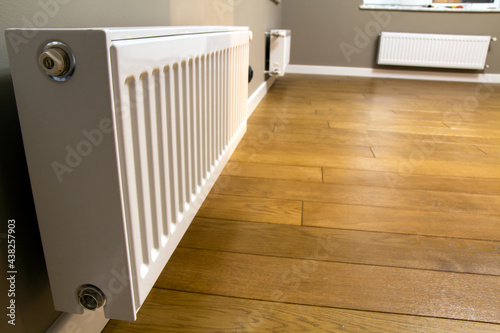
(125, 132)
(432, 50)
(279, 51)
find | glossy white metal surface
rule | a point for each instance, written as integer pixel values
(433, 50)
(279, 53)
(122, 154)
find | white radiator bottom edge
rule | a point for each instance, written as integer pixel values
(89, 322)
(393, 74)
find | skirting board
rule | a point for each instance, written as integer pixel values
(259, 94)
(393, 74)
(89, 322)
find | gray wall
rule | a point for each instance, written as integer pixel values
(265, 15)
(322, 28)
(34, 304)
(259, 15)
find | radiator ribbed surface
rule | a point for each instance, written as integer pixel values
(432, 50)
(176, 124)
(122, 155)
(182, 119)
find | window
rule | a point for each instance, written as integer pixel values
(397, 2)
(441, 5)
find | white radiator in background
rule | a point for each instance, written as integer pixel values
(125, 132)
(433, 50)
(279, 51)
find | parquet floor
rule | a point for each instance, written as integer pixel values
(351, 205)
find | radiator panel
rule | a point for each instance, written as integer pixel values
(173, 135)
(122, 155)
(433, 50)
(279, 51)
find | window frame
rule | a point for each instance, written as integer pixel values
(397, 2)
(424, 5)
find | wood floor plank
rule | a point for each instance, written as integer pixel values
(421, 130)
(182, 312)
(490, 150)
(286, 101)
(359, 195)
(354, 118)
(320, 99)
(347, 109)
(280, 123)
(422, 155)
(257, 152)
(361, 139)
(452, 115)
(273, 171)
(407, 221)
(462, 124)
(393, 290)
(349, 112)
(377, 116)
(356, 109)
(252, 209)
(347, 246)
(304, 149)
(281, 120)
(433, 135)
(374, 122)
(291, 110)
(410, 181)
(386, 102)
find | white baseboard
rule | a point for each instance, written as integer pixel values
(259, 94)
(393, 74)
(89, 322)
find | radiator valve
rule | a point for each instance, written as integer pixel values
(91, 297)
(57, 61)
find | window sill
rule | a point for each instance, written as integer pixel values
(430, 9)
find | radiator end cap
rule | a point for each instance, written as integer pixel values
(91, 297)
(57, 61)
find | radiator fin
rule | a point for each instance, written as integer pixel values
(179, 124)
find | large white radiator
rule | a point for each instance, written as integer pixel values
(433, 50)
(125, 132)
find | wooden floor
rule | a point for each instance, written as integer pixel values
(351, 205)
